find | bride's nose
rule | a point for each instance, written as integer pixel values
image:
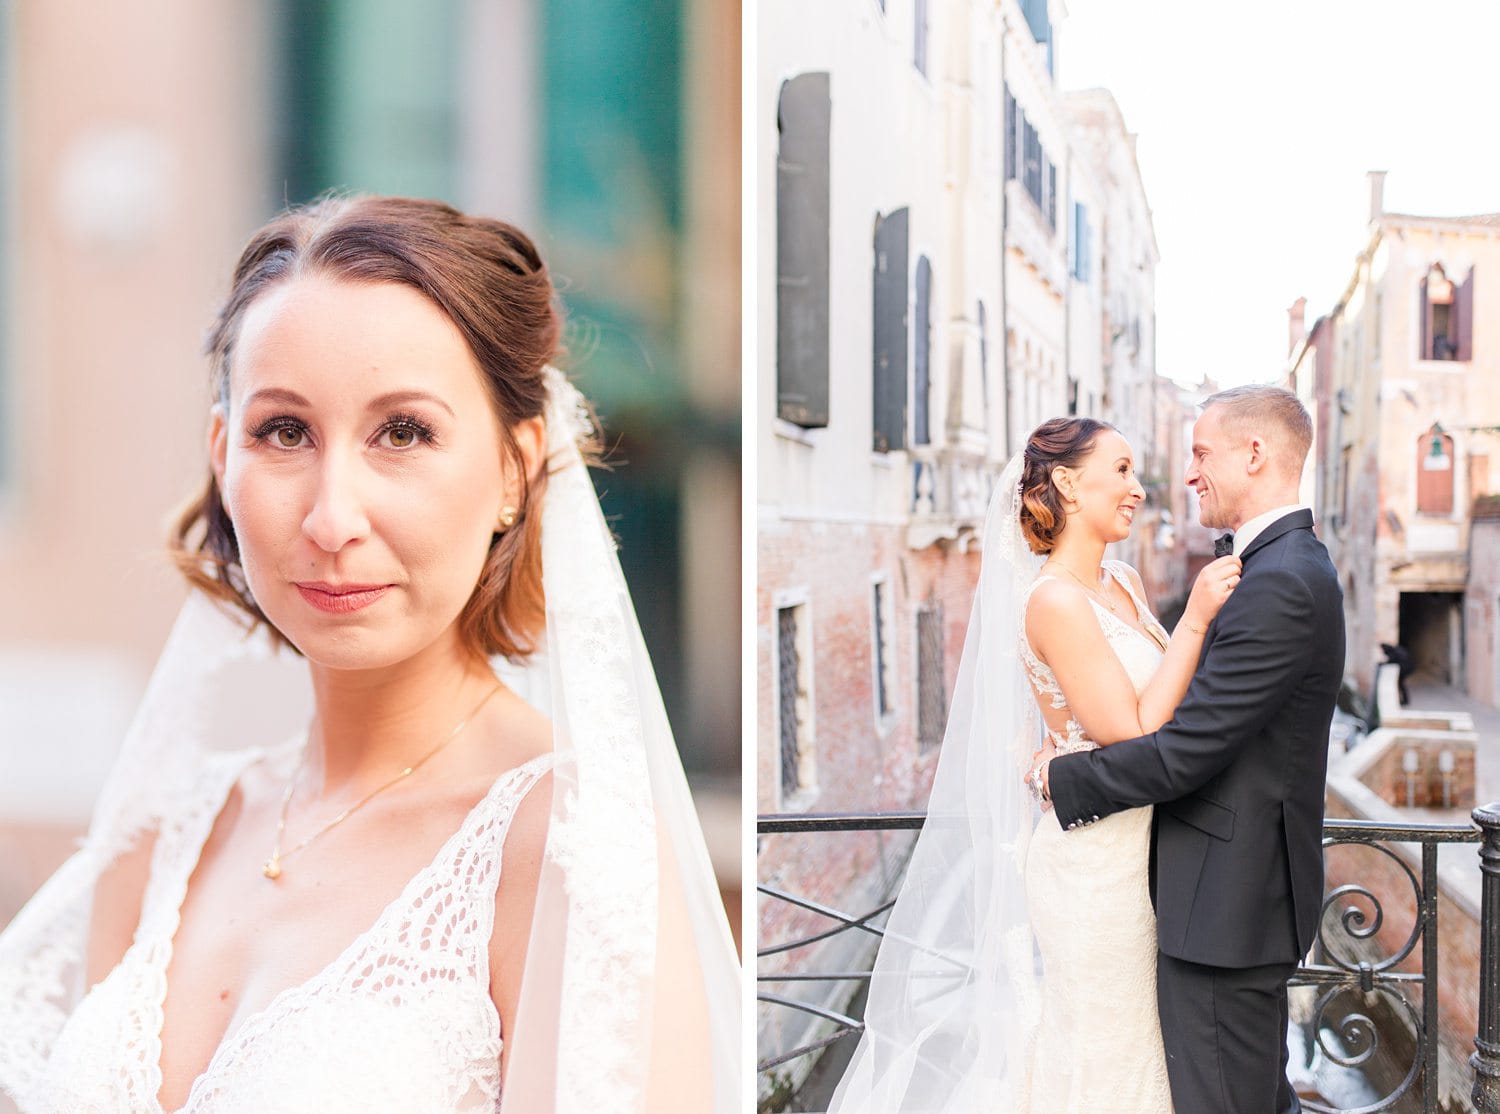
(337, 515)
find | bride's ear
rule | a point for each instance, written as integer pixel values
(530, 439)
(218, 443)
(1062, 480)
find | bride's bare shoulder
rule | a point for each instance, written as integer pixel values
(1054, 601)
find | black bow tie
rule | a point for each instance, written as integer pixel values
(1224, 545)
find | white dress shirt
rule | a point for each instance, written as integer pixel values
(1257, 525)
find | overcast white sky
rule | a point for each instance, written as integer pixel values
(1257, 123)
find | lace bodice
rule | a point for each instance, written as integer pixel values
(401, 1021)
(1138, 653)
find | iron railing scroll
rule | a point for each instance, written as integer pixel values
(1358, 982)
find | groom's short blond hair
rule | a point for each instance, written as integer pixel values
(1272, 413)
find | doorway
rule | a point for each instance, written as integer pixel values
(1431, 632)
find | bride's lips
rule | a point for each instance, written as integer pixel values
(340, 598)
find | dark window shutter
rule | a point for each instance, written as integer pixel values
(1463, 311)
(1051, 193)
(919, 37)
(1011, 160)
(1033, 154)
(1426, 322)
(984, 365)
(889, 353)
(1037, 19)
(922, 357)
(802, 219)
(1079, 244)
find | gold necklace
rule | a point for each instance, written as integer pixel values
(272, 869)
(1097, 592)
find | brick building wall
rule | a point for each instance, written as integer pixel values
(863, 761)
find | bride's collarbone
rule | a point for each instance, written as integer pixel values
(243, 939)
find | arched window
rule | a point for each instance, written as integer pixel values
(1435, 472)
(1447, 316)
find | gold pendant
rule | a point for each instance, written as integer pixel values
(272, 869)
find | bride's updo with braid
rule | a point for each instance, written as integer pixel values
(1057, 442)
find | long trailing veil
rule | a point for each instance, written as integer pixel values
(953, 997)
(628, 940)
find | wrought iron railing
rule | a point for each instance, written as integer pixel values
(1347, 971)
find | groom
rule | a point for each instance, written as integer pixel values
(1237, 775)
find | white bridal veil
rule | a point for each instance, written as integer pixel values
(953, 996)
(629, 942)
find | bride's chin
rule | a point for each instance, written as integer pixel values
(347, 650)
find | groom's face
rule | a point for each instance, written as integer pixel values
(1216, 472)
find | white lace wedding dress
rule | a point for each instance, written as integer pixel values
(401, 1022)
(1098, 1045)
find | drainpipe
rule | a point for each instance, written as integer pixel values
(1067, 218)
(1004, 252)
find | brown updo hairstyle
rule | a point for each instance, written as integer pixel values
(487, 277)
(1056, 442)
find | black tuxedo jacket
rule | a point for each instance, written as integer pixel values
(1237, 775)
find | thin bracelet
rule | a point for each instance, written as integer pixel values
(1195, 630)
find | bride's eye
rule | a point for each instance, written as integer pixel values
(404, 431)
(282, 432)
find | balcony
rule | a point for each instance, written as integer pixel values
(1366, 1016)
(949, 494)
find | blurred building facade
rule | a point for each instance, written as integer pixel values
(950, 250)
(141, 146)
(1402, 372)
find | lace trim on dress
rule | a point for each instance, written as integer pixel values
(427, 952)
(435, 932)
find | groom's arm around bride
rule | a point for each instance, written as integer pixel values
(1237, 775)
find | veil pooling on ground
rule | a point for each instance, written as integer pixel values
(953, 996)
(629, 946)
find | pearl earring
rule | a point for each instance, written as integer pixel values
(507, 517)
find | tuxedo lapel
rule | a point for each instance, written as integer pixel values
(1297, 520)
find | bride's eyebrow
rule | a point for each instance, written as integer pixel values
(395, 398)
(276, 394)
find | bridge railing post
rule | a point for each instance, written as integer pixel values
(1486, 1058)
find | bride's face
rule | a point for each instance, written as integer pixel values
(362, 465)
(1105, 488)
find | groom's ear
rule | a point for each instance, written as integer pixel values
(1259, 459)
